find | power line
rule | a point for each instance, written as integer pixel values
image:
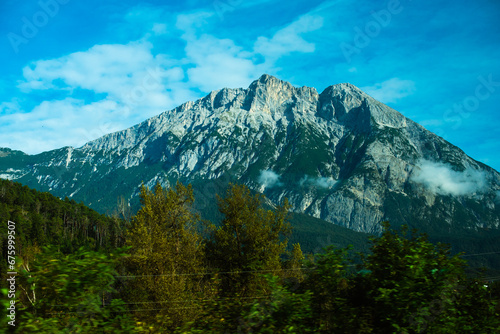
(259, 271)
(201, 300)
(480, 254)
(214, 273)
(493, 278)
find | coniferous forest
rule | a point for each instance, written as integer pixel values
(165, 269)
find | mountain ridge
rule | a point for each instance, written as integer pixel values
(338, 155)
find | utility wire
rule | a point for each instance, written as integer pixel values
(213, 273)
(480, 254)
(260, 271)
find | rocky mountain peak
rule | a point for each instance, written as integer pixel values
(268, 82)
(340, 156)
(347, 103)
(268, 93)
(345, 89)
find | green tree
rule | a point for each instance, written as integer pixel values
(284, 311)
(329, 280)
(405, 285)
(249, 239)
(249, 242)
(413, 286)
(165, 258)
(294, 265)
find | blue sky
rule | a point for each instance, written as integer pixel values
(72, 71)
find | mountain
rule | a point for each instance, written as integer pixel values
(340, 156)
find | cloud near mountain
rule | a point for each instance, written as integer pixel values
(269, 179)
(391, 90)
(442, 179)
(320, 182)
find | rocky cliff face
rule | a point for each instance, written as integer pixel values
(340, 156)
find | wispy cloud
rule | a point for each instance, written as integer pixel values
(320, 182)
(391, 90)
(220, 62)
(90, 93)
(289, 39)
(41, 127)
(442, 179)
(269, 179)
(113, 69)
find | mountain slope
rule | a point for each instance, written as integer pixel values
(340, 156)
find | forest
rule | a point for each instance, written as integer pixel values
(165, 269)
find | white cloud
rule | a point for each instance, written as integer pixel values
(320, 182)
(391, 90)
(219, 63)
(11, 107)
(210, 62)
(109, 68)
(269, 179)
(441, 179)
(69, 121)
(109, 87)
(132, 81)
(289, 39)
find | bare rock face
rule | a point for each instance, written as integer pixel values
(340, 156)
